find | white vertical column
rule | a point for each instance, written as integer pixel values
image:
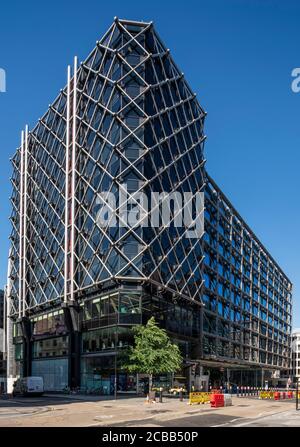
(67, 184)
(25, 218)
(21, 222)
(9, 346)
(73, 184)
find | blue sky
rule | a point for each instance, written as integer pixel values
(237, 56)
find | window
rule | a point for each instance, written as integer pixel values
(18, 351)
(53, 347)
(49, 324)
(105, 339)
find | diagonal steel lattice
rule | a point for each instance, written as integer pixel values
(126, 116)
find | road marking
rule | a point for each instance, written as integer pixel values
(34, 413)
(226, 423)
(262, 418)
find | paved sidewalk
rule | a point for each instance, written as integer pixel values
(84, 411)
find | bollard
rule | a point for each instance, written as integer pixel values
(160, 394)
(237, 391)
(180, 395)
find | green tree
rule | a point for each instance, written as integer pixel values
(153, 352)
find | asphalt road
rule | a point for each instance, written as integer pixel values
(203, 420)
(209, 419)
(285, 419)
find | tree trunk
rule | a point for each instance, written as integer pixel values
(150, 382)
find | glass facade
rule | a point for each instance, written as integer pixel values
(54, 373)
(98, 376)
(247, 297)
(128, 117)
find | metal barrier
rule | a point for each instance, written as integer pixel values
(199, 398)
(256, 392)
(247, 391)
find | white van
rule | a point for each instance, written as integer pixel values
(29, 386)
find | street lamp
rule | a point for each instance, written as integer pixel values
(116, 365)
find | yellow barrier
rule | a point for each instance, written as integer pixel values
(266, 394)
(199, 398)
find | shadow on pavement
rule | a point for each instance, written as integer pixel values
(202, 420)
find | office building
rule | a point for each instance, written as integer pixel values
(76, 287)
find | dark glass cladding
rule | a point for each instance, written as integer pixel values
(139, 124)
(45, 210)
(248, 299)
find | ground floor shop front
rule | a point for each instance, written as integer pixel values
(89, 358)
(233, 376)
(98, 374)
(101, 374)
